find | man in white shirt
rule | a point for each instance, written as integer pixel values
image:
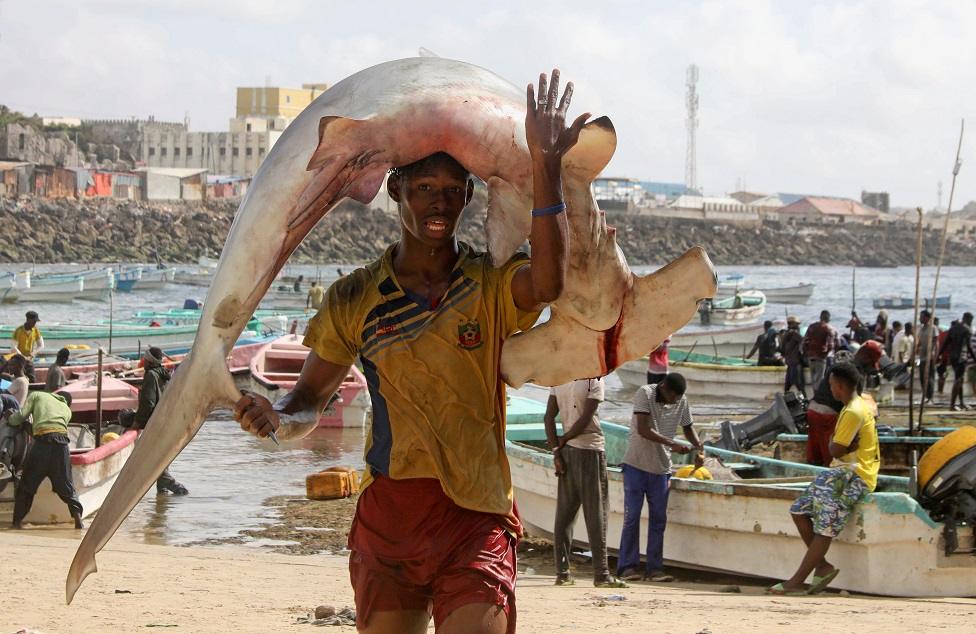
(581, 465)
(903, 345)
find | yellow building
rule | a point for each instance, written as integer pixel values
(276, 102)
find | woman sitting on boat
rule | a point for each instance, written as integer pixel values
(823, 510)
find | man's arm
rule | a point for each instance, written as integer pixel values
(39, 344)
(548, 140)
(549, 420)
(645, 429)
(838, 450)
(755, 347)
(589, 411)
(297, 413)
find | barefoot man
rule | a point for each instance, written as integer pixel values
(435, 527)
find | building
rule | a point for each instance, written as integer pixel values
(722, 209)
(23, 142)
(271, 102)
(174, 183)
(262, 115)
(15, 178)
(816, 209)
(876, 200)
(618, 194)
(238, 152)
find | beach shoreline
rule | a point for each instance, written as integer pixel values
(246, 589)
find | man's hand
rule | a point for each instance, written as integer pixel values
(678, 447)
(558, 462)
(546, 133)
(699, 459)
(256, 415)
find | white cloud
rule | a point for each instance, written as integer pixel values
(827, 97)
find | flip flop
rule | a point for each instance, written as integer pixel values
(820, 583)
(780, 591)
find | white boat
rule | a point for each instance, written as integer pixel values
(799, 294)
(734, 341)
(740, 522)
(57, 290)
(741, 308)
(155, 278)
(9, 293)
(93, 472)
(713, 377)
(98, 284)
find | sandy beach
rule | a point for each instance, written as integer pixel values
(242, 589)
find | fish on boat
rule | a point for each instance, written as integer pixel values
(740, 521)
(342, 146)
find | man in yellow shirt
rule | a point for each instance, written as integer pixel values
(315, 296)
(436, 528)
(823, 510)
(27, 341)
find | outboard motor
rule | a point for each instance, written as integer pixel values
(947, 484)
(788, 415)
(14, 443)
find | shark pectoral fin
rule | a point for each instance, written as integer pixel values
(594, 149)
(202, 382)
(553, 353)
(660, 304)
(509, 219)
(346, 163)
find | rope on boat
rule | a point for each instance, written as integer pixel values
(938, 269)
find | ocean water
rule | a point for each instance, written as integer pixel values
(229, 473)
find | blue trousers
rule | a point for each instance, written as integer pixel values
(638, 485)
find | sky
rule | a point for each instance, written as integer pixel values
(801, 97)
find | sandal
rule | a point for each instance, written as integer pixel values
(820, 583)
(610, 582)
(565, 580)
(779, 590)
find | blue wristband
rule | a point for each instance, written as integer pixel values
(549, 211)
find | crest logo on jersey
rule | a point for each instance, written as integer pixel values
(469, 334)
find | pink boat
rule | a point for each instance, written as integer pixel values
(275, 369)
(116, 396)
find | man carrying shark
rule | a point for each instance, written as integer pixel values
(436, 528)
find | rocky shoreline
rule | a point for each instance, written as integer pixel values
(107, 230)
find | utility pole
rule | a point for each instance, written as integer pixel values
(691, 103)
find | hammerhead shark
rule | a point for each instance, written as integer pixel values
(342, 146)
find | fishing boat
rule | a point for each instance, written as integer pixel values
(740, 522)
(274, 372)
(116, 395)
(81, 361)
(741, 308)
(143, 278)
(95, 284)
(125, 340)
(903, 302)
(709, 376)
(278, 319)
(734, 341)
(93, 472)
(55, 290)
(798, 294)
(126, 279)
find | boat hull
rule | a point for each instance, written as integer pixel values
(93, 473)
(799, 294)
(889, 547)
(723, 342)
(752, 383)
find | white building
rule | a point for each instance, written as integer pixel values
(237, 152)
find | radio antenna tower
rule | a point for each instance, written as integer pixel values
(691, 103)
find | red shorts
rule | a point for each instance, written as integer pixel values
(820, 430)
(412, 548)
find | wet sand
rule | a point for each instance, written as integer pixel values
(233, 588)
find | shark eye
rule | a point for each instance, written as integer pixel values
(424, 187)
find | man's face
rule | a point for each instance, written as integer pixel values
(840, 390)
(667, 394)
(30, 323)
(431, 199)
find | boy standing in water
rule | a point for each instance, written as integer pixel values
(435, 527)
(823, 510)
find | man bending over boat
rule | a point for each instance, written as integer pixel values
(822, 512)
(435, 527)
(49, 456)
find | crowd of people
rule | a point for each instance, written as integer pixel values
(931, 350)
